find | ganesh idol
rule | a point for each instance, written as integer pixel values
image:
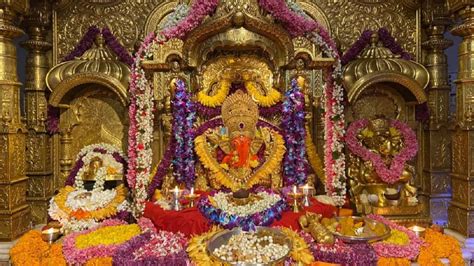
(241, 153)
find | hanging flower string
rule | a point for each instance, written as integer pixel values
(184, 115)
(293, 124)
(84, 44)
(357, 47)
(116, 47)
(141, 106)
(392, 173)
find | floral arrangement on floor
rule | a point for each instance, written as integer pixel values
(219, 209)
(295, 164)
(98, 242)
(32, 250)
(153, 248)
(141, 99)
(440, 246)
(397, 247)
(392, 173)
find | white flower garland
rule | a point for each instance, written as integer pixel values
(108, 162)
(95, 201)
(267, 200)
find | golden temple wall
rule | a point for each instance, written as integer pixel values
(130, 21)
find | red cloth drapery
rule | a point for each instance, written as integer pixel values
(190, 221)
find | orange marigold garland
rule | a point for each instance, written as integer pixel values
(32, 250)
(393, 262)
(440, 246)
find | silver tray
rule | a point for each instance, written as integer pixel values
(223, 237)
(358, 239)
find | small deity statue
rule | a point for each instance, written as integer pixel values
(237, 153)
(366, 185)
(94, 166)
(310, 223)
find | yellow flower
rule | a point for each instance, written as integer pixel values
(108, 235)
(367, 133)
(32, 250)
(273, 96)
(313, 157)
(218, 98)
(397, 238)
(197, 248)
(440, 246)
(300, 251)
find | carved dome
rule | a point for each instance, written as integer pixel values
(97, 65)
(378, 64)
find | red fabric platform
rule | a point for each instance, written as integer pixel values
(190, 221)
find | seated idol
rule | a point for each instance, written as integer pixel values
(85, 201)
(240, 154)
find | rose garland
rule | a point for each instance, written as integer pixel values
(389, 250)
(249, 222)
(392, 174)
(141, 105)
(293, 124)
(101, 241)
(184, 115)
(32, 250)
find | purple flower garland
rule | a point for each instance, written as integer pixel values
(357, 47)
(84, 44)
(247, 223)
(116, 47)
(385, 37)
(184, 115)
(124, 255)
(52, 120)
(293, 125)
(162, 169)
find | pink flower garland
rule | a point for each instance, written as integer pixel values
(392, 174)
(409, 251)
(141, 103)
(334, 160)
(80, 256)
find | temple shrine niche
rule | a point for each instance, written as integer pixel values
(256, 132)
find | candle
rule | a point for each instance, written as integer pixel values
(418, 230)
(192, 191)
(305, 189)
(294, 190)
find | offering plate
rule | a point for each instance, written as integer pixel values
(364, 234)
(222, 238)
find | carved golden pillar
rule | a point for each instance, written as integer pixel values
(461, 209)
(38, 142)
(437, 142)
(14, 210)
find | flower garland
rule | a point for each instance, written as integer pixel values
(112, 42)
(293, 123)
(440, 246)
(387, 40)
(184, 115)
(76, 215)
(84, 44)
(342, 253)
(263, 213)
(218, 98)
(101, 150)
(297, 24)
(32, 250)
(388, 250)
(158, 255)
(141, 105)
(52, 120)
(101, 241)
(109, 167)
(387, 174)
(272, 97)
(222, 177)
(300, 252)
(179, 13)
